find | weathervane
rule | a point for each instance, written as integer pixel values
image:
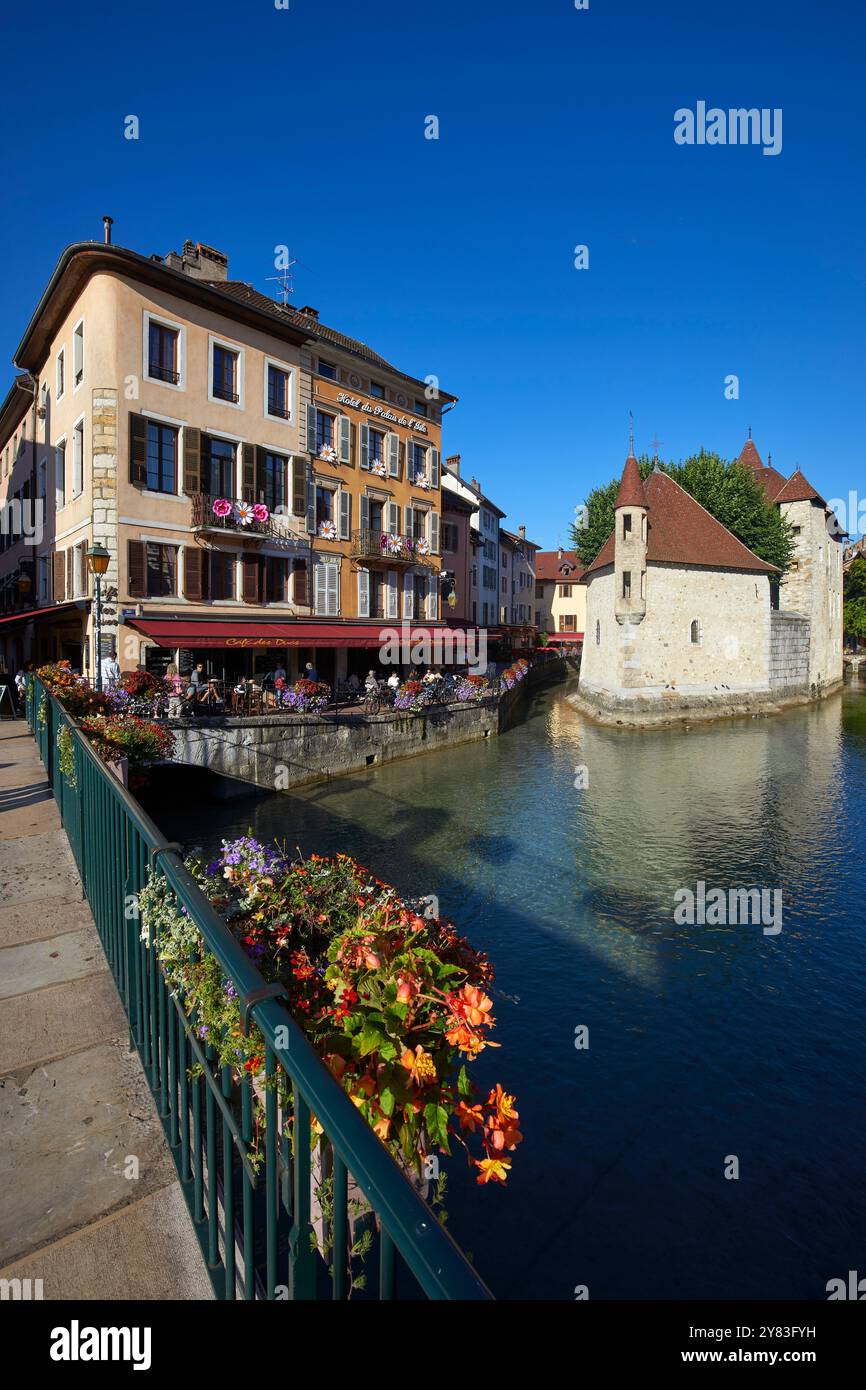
(630, 433)
(656, 443)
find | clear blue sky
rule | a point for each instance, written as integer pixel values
(455, 256)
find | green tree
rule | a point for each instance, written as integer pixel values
(728, 492)
(854, 607)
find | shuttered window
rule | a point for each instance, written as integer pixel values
(300, 592)
(299, 487)
(271, 481)
(161, 457)
(218, 466)
(327, 590)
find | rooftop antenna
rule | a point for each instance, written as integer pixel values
(286, 282)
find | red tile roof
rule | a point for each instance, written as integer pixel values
(631, 493)
(771, 480)
(798, 489)
(549, 563)
(681, 531)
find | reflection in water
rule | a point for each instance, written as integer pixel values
(704, 1041)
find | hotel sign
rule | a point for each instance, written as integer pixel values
(381, 412)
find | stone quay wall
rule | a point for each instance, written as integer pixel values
(279, 751)
(789, 652)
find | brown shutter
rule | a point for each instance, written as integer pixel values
(191, 460)
(138, 450)
(299, 582)
(59, 576)
(70, 572)
(299, 487)
(248, 473)
(251, 579)
(137, 578)
(193, 570)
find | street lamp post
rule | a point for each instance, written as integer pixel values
(97, 561)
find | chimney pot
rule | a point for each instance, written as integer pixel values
(106, 229)
(310, 312)
(453, 463)
(521, 531)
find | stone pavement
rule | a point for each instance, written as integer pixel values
(74, 1103)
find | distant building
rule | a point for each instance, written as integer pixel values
(560, 596)
(517, 578)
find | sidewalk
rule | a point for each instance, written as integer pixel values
(75, 1107)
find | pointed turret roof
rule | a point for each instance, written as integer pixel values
(631, 490)
(771, 480)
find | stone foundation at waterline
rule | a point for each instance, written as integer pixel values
(278, 752)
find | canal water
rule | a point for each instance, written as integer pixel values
(710, 1047)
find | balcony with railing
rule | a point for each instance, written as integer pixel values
(240, 518)
(390, 548)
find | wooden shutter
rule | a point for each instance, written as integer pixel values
(408, 595)
(333, 590)
(410, 519)
(363, 593)
(365, 513)
(70, 572)
(392, 594)
(434, 467)
(434, 532)
(137, 569)
(344, 437)
(194, 569)
(299, 487)
(248, 472)
(251, 573)
(393, 518)
(433, 597)
(137, 450)
(260, 473)
(345, 515)
(311, 429)
(311, 502)
(392, 446)
(320, 588)
(299, 582)
(59, 568)
(364, 435)
(191, 460)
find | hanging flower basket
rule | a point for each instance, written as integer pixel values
(328, 530)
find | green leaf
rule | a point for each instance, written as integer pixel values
(464, 1085)
(386, 1100)
(370, 1040)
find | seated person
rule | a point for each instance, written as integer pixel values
(371, 684)
(353, 685)
(210, 695)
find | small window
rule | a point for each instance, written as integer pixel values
(796, 530)
(421, 408)
(626, 525)
(377, 442)
(162, 353)
(626, 583)
(78, 459)
(160, 570)
(565, 590)
(377, 390)
(60, 474)
(220, 575)
(78, 354)
(218, 457)
(598, 634)
(696, 633)
(61, 373)
(324, 505)
(225, 374)
(324, 431)
(327, 369)
(279, 400)
(272, 482)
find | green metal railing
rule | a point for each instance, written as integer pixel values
(253, 1218)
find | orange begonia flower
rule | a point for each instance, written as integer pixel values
(420, 1065)
(492, 1169)
(470, 1116)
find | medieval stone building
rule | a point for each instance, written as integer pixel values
(684, 620)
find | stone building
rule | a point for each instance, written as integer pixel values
(683, 619)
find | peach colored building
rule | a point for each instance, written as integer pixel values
(268, 488)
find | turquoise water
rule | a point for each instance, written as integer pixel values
(705, 1042)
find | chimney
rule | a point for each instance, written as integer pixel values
(310, 312)
(559, 553)
(473, 482)
(106, 229)
(199, 262)
(453, 464)
(521, 531)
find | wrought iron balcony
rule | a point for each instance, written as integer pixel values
(242, 518)
(160, 373)
(368, 544)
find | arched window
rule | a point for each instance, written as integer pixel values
(696, 631)
(597, 633)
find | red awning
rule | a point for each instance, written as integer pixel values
(570, 637)
(180, 632)
(54, 609)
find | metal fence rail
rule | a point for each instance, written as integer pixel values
(253, 1219)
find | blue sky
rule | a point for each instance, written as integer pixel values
(456, 256)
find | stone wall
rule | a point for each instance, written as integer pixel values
(789, 652)
(278, 752)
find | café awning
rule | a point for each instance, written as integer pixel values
(187, 633)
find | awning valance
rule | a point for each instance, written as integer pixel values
(189, 633)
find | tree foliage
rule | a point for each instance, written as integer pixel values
(728, 491)
(854, 608)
